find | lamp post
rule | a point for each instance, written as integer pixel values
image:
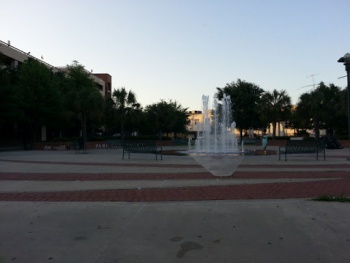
(346, 61)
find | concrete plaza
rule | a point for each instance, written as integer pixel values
(58, 206)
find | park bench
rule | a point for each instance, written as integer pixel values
(302, 146)
(114, 144)
(249, 141)
(142, 147)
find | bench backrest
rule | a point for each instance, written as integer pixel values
(115, 143)
(139, 145)
(311, 145)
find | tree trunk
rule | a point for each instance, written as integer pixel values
(274, 130)
(317, 131)
(122, 130)
(83, 128)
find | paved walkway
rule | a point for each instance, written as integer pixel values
(102, 175)
(95, 207)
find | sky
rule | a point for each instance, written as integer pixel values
(180, 50)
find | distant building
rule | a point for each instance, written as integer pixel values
(195, 122)
(107, 83)
(13, 57)
(195, 118)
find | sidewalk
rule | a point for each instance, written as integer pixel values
(24, 172)
(96, 207)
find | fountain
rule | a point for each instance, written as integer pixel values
(215, 135)
(216, 147)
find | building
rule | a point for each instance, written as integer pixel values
(195, 118)
(195, 121)
(13, 57)
(107, 83)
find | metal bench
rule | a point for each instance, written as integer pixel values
(142, 147)
(301, 146)
(114, 144)
(249, 141)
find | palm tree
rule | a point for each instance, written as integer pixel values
(125, 103)
(276, 107)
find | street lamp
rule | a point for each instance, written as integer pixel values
(346, 61)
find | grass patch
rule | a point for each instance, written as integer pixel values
(331, 198)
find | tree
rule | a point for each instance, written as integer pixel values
(125, 103)
(82, 97)
(110, 116)
(167, 117)
(7, 94)
(37, 99)
(245, 99)
(320, 108)
(8, 106)
(275, 107)
(342, 118)
(180, 118)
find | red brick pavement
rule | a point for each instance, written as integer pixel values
(339, 184)
(170, 176)
(234, 192)
(107, 164)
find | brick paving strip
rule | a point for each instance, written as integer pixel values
(280, 164)
(106, 164)
(338, 184)
(169, 176)
(234, 192)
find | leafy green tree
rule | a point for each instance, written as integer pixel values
(125, 104)
(110, 116)
(320, 108)
(275, 107)
(245, 97)
(180, 120)
(37, 98)
(167, 117)
(8, 108)
(135, 119)
(342, 118)
(83, 99)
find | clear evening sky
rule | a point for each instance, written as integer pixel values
(182, 49)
